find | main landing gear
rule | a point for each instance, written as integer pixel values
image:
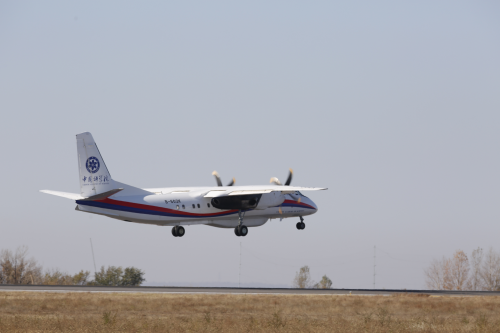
(301, 225)
(178, 231)
(241, 230)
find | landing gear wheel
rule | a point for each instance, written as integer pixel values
(298, 225)
(243, 230)
(178, 231)
(301, 225)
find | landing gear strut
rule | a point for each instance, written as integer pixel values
(178, 231)
(241, 230)
(301, 225)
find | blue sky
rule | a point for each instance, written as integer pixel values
(393, 106)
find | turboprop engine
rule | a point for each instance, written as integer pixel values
(272, 199)
(237, 202)
(259, 201)
(252, 201)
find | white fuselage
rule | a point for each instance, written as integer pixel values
(228, 206)
(188, 206)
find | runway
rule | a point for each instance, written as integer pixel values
(275, 291)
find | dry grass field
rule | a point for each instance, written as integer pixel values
(124, 312)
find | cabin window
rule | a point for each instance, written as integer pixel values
(183, 207)
(194, 206)
(208, 205)
(198, 205)
(177, 207)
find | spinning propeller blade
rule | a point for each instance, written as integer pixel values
(288, 180)
(275, 181)
(217, 178)
(287, 183)
(219, 182)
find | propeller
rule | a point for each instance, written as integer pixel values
(219, 182)
(287, 183)
(288, 180)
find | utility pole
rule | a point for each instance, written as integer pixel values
(239, 280)
(374, 264)
(93, 258)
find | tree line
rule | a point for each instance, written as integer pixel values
(303, 280)
(459, 272)
(17, 268)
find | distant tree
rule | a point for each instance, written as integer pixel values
(449, 274)
(117, 276)
(476, 259)
(458, 271)
(132, 277)
(81, 278)
(17, 268)
(434, 274)
(110, 276)
(324, 283)
(302, 278)
(56, 277)
(490, 271)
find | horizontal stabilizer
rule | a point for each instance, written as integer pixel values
(103, 195)
(73, 196)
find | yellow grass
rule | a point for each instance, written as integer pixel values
(124, 312)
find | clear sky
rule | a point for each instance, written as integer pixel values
(394, 106)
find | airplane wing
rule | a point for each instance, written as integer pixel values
(264, 189)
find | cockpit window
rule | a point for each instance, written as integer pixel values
(298, 192)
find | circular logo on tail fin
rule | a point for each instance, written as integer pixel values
(92, 164)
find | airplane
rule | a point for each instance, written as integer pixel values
(229, 206)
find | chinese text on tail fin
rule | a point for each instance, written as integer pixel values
(94, 175)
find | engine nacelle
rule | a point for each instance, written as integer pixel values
(243, 202)
(272, 199)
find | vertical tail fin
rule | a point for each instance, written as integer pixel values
(94, 175)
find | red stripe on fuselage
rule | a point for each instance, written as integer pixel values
(160, 209)
(298, 204)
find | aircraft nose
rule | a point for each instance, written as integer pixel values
(315, 206)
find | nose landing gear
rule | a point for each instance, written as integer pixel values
(241, 230)
(178, 231)
(301, 225)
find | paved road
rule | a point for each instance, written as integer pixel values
(284, 291)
